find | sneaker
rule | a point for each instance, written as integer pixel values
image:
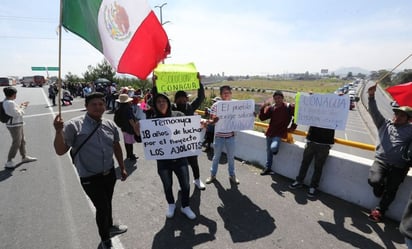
(375, 215)
(188, 212)
(10, 165)
(28, 159)
(233, 179)
(312, 192)
(267, 171)
(295, 185)
(210, 179)
(117, 229)
(133, 157)
(199, 184)
(170, 211)
(107, 244)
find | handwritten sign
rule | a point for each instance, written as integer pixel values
(235, 115)
(171, 138)
(322, 110)
(175, 77)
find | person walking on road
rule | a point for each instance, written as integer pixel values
(182, 104)
(221, 139)
(280, 115)
(319, 142)
(94, 161)
(15, 126)
(389, 168)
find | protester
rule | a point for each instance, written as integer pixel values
(15, 127)
(182, 104)
(319, 142)
(165, 168)
(389, 168)
(94, 161)
(210, 128)
(125, 119)
(280, 115)
(222, 139)
(67, 98)
(52, 93)
(406, 223)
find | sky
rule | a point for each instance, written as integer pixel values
(261, 37)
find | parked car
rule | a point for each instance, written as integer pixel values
(5, 81)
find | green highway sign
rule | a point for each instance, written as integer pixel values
(38, 68)
(45, 68)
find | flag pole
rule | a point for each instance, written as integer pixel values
(59, 77)
(393, 69)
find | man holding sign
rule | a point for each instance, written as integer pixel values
(221, 139)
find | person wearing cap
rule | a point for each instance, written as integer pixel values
(127, 122)
(15, 127)
(94, 161)
(182, 104)
(281, 115)
(389, 168)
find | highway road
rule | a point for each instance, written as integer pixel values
(43, 206)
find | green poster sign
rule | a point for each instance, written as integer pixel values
(38, 68)
(53, 68)
(175, 77)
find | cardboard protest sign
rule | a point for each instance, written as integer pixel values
(322, 110)
(175, 77)
(171, 138)
(235, 115)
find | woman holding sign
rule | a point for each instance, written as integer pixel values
(165, 168)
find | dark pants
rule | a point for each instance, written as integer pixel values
(313, 150)
(165, 168)
(194, 164)
(99, 188)
(385, 180)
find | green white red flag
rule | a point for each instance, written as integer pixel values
(127, 32)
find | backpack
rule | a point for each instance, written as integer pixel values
(118, 118)
(4, 118)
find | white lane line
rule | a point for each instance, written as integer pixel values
(115, 240)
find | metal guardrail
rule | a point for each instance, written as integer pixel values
(289, 139)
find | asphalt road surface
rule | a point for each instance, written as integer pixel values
(43, 206)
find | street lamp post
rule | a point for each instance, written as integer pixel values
(161, 15)
(161, 18)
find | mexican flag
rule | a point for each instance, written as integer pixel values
(401, 93)
(127, 32)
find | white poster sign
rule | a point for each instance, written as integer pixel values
(322, 110)
(171, 138)
(235, 115)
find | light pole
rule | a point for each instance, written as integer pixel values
(161, 18)
(161, 14)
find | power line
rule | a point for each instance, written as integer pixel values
(29, 19)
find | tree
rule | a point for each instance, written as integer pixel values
(102, 70)
(403, 77)
(72, 78)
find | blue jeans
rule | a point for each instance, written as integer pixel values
(272, 147)
(165, 168)
(218, 144)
